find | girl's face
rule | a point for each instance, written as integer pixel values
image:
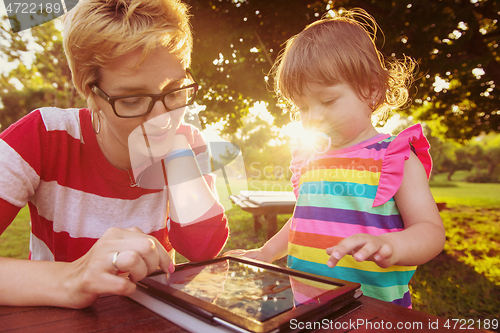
(160, 72)
(336, 110)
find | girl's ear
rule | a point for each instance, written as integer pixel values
(376, 95)
(376, 91)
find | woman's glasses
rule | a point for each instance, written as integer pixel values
(131, 106)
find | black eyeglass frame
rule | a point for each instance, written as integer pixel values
(154, 97)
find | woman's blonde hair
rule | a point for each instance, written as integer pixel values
(96, 32)
(341, 49)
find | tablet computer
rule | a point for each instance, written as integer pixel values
(251, 296)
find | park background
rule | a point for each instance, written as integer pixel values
(235, 43)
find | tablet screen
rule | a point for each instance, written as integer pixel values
(246, 290)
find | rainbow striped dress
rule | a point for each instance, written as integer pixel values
(349, 191)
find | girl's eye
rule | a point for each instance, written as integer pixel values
(328, 102)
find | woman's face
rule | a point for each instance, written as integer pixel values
(123, 139)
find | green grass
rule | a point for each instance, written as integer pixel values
(468, 194)
(15, 240)
(462, 282)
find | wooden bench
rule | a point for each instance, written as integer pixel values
(265, 205)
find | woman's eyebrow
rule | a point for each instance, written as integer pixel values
(172, 84)
(176, 83)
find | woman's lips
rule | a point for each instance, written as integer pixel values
(156, 133)
(157, 137)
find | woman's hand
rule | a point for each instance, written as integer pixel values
(363, 247)
(97, 272)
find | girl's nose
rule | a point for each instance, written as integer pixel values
(313, 118)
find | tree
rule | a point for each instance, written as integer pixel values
(236, 42)
(457, 158)
(486, 154)
(47, 82)
(455, 43)
(262, 160)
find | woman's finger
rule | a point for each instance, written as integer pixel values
(148, 247)
(115, 284)
(132, 263)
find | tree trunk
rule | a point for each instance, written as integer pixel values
(451, 174)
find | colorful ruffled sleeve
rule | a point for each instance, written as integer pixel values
(398, 151)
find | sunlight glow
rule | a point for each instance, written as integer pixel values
(478, 72)
(293, 129)
(456, 110)
(440, 84)
(259, 109)
(462, 25)
(456, 34)
(212, 131)
(391, 125)
(311, 140)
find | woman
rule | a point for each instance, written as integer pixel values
(96, 179)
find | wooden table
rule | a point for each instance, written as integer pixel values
(267, 205)
(120, 314)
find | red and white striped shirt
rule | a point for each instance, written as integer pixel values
(51, 160)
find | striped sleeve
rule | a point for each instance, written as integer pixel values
(21, 163)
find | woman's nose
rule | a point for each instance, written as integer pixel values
(159, 115)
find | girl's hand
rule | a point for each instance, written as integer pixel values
(363, 247)
(93, 274)
(256, 254)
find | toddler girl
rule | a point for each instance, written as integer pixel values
(364, 210)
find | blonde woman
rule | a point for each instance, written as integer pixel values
(101, 219)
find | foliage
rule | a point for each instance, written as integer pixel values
(235, 45)
(263, 161)
(47, 82)
(473, 234)
(236, 42)
(481, 155)
(485, 150)
(455, 43)
(469, 283)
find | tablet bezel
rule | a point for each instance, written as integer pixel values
(329, 302)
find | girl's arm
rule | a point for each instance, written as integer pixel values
(423, 237)
(274, 249)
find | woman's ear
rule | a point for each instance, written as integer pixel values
(91, 101)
